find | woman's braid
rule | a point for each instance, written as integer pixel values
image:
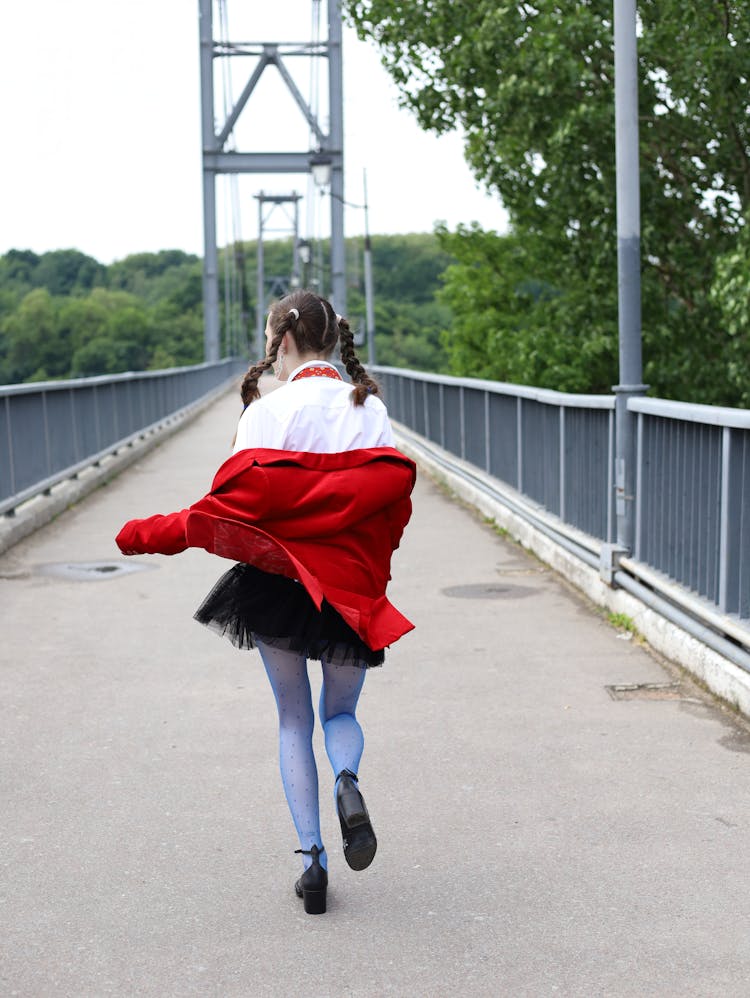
(364, 385)
(249, 388)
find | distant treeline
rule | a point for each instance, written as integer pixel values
(65, 315)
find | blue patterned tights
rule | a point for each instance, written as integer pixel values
(342, 684)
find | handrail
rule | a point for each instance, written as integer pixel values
(52, 430)
(556, 450)
(547, 396)
(713, 415)
(32, 387)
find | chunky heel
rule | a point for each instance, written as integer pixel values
(358, 836)
(314, 901)
(312, 886)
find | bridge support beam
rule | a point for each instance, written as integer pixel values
(218, 158)
(211, 332)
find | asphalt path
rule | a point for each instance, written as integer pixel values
(536, 836)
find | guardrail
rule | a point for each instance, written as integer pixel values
(692, 497)
(51, 430)
(554, 448)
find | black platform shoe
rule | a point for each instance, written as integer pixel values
(359, 838)
(313, 883)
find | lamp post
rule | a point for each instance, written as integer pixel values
(628, 265)
(369, 306)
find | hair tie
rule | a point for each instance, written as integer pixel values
(294, 312)
(338, 318)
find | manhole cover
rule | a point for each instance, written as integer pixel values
(647, 691)
(488, 590)
(92, 571)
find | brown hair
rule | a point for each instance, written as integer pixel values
(316, 329)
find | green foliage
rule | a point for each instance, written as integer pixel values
(730, 294)
(409, 323)
(509, 327)
(532, 87)
(68, 272)
(622, 622)
(408, 267)
(30, 334)
(155, 277)
(64, 315)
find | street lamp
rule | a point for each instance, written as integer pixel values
(303, 255)
(321, 167)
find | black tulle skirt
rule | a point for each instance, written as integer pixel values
(279, 611)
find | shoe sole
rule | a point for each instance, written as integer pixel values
(360, 846)
(360, 843)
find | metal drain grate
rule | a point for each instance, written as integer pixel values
(92, 571)
(647, 691)
(488, 590)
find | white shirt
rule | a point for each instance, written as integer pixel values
(315, 414)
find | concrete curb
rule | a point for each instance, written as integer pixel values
(42, 509)
(722, 677)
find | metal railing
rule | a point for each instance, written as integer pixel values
(692, 500)
(554, 448)
(51, 430)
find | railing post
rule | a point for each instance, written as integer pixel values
(462, 420)
(562, 462)
(639, 488)
(47, 448)
(442, 416)
(77, 449)
(487, 449)
(724, 520)
(730, 532)
(610, 473)
(11, 455)
(519, 444)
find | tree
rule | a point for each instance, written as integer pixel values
(65, 272)
(29, 337)
(532, 88)
(17, 269)
(731, 295)
(147, 313)
(505, 324)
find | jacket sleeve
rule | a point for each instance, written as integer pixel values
(154, 535)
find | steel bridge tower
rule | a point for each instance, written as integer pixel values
(328, 152)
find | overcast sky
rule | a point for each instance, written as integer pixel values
(101, 131)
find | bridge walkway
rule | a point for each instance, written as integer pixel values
(536, 836)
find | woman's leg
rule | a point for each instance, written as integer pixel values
(342, 685)
(344, 743)
(287, 672)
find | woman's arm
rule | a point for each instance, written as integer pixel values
(154, 535)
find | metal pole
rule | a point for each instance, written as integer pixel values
(369, 305)
(628, 265)
(296, 279)
(210, 257)
(260, 305)
(336, 145)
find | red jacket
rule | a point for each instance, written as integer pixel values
(330, 520)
